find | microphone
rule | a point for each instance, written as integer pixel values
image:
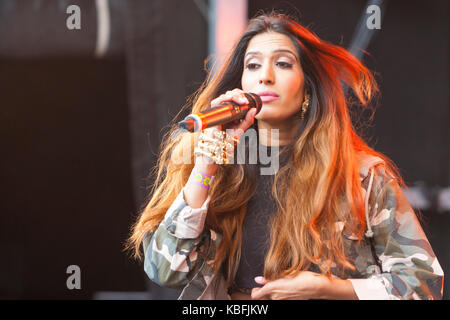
(221, 114)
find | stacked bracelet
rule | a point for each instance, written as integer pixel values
(202, 179)
(216, 145)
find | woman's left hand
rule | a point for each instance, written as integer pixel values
(305, 285)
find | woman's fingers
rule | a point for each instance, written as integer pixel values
(240, 127)
(261, 293)
(248, 120)
(260, 280)
(236, 95)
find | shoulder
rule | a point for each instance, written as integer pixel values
(366, 162)
(379, 186)
(374, 173)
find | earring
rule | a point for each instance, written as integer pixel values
(305, 105)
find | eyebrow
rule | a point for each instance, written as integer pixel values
(274, 51)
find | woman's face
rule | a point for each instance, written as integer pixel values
(272, 70)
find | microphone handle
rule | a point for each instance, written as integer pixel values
(233, 111)
(217, 115)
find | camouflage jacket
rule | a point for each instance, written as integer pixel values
(178, 254)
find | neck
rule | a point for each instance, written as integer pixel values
(286, 133)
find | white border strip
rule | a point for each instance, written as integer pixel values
(103, 28)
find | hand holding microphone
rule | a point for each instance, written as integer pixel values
(216, 144)
(228, 107)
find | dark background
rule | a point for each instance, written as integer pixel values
(79, 133)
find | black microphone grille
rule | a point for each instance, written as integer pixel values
(254, 100)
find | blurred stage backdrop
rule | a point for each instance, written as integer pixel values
(88, 88)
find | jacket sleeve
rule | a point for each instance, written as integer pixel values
(410, 269)
(177, 249)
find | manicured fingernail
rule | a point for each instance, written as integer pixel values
(259, 279)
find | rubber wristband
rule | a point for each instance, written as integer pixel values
(200, 178)
(201, 185)
(202, 173)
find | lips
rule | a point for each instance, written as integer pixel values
(267, 96)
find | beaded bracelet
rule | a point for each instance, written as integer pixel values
(216, 145)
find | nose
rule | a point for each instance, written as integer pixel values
(266, 75)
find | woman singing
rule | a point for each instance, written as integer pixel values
(331, 222)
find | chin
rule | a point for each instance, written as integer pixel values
(266, 115)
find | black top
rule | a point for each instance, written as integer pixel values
(256, 235)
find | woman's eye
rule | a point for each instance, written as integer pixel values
(284, 65)
(252, 66)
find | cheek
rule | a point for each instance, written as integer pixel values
(246, 82)
(294, 90)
